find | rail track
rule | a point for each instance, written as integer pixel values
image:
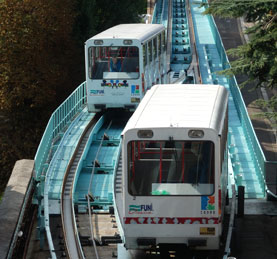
(71, 237)
(93, 234)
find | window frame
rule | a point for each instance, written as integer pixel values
(131, 170)
(105, 53)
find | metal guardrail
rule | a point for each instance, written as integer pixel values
(253, 142)
(57, 122)
(194, 67)
(45, 204)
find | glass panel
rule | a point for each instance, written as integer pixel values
(90, 60)
(144, 55)
(159, 44)
(155, 48)
(113, 62)
(163, 41)
(170, 168)
(150, 51)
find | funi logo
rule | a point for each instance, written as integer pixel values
(141, 209)
(96, 92)
(207, 203)
(135, 90)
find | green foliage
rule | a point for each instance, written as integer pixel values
(272, 105)
(98, 15)
(258, 58)
(37, 59)
(41, 62)
(35, 49)
(251, 10)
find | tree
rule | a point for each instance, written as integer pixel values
(36, 61)
(258, 58)
(98, 15)
(41, 63)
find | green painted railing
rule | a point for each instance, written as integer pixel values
(267, 169)
(57, 122)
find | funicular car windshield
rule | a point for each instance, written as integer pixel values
(170, 168)
(113, 62)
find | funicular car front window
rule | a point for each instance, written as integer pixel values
(170, 168)
(113, 62)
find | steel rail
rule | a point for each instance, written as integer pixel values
(71, 237)
(90, 182)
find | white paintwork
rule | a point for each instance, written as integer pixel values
(170, 111)
(138, 31)
(154, 71)
(122, 75)
(180, 106)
